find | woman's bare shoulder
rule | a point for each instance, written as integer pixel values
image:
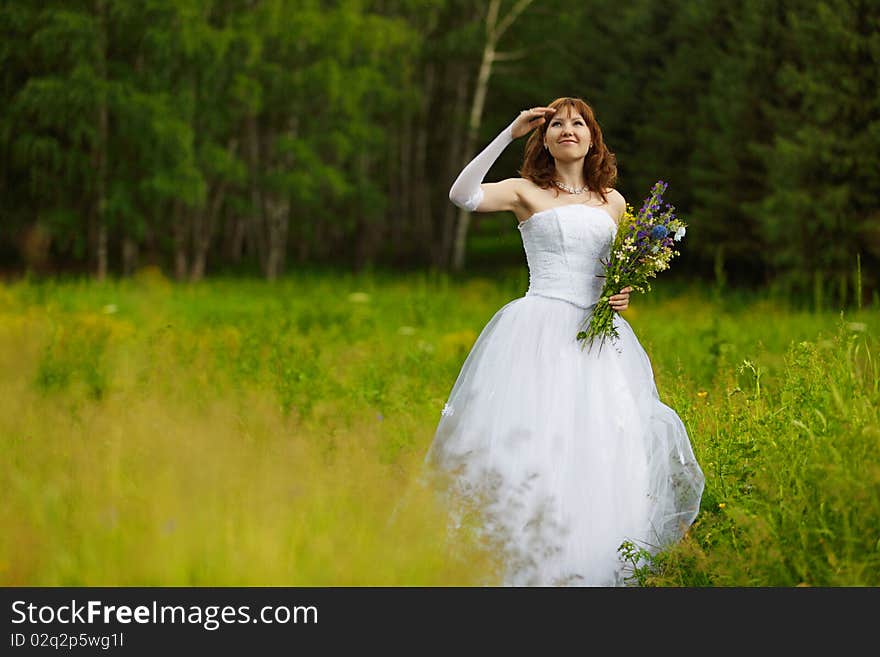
(522, 185)
(616, 203)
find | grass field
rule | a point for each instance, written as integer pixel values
(244, 433)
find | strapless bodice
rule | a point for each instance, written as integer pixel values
(564, 248)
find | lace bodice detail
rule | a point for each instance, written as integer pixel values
(564, 248)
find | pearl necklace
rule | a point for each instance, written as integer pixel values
(570, 190)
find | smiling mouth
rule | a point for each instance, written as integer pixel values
(568, 141)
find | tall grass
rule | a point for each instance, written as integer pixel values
(793, 471)
(240, 433)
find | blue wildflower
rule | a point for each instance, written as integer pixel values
(659, 232)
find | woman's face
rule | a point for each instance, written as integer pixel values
(567, 136)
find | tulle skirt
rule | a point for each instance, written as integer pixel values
(567, 453)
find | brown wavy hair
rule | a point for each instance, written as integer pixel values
(600, 164)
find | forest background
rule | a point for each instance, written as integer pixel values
(261, 136)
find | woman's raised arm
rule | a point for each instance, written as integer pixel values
(469, 193)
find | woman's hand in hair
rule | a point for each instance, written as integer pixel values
(530, 119)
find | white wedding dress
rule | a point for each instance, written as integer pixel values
(567, 452)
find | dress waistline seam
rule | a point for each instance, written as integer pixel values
(548, 296)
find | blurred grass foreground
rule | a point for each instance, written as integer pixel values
(239, 433)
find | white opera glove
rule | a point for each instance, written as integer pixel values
(466, 192)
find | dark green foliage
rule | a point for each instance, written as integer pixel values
(333, 131)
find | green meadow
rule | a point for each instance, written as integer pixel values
(246, 433)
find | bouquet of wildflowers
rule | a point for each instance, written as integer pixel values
(642, 247)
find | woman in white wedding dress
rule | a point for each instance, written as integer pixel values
(567, 453)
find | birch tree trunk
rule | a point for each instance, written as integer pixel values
(277, 202)
(204, 222)
(203, 231)
(277, 222)
(495, 28)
